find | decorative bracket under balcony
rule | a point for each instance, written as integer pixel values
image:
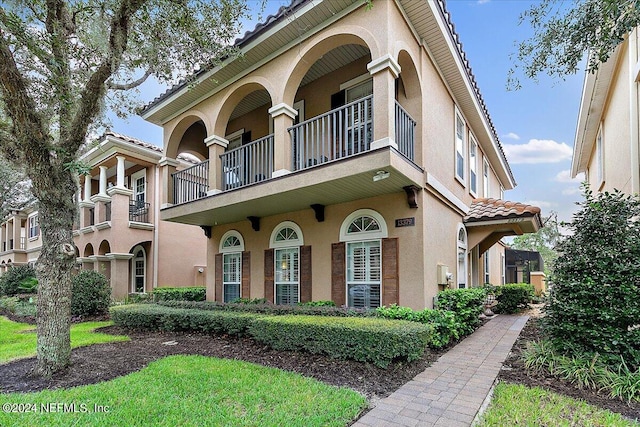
(319, 210)
(255, 222)
(412, 195)
(207, 230)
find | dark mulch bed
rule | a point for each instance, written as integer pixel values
(103, 362)
(514, 372)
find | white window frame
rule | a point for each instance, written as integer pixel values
(292, 246)
(366, 238)
(135, 251)
(459, 147)
(487, 265)
(228, 252)
(461, 254)
(600, 158)
(473, 165)
(486, 183)
(503, 268)
(235, 139)
(34, 224)
(134, 178)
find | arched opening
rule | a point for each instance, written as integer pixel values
(334, 101)
(286, 240)
(138, 269)
(408, 108)
(104, 248)
(88, 250)
(245, 122)
(462, 256)
(363, 232)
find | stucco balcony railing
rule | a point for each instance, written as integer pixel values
(191, 183)
(339, 133)
(247, 164)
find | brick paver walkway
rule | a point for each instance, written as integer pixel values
(452, 390)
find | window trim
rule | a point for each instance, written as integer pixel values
(487, 265)
(35, 219)
(345, 236)
(287, 243)
(346, 270)
(460, 178)
(239, 283)
(275, 273)
(461, 247)
(486, 174)
(225, 236)
(473, 165)
(135, 251)
(142, 173)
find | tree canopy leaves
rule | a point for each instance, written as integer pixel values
(563, 32)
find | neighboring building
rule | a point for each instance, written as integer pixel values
(20, 238)
(119, 232)
(352, 161)
(520, 264)
(607, 145)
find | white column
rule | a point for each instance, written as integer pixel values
(384, 71)
(120, 176)
(103, 180)
(283, 116)
(87, 188)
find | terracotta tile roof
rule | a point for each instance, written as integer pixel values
(485, 209)
(144, 144)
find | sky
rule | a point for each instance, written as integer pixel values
(535, 124)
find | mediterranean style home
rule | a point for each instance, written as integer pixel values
(119, 232)
(607, 144)
(345, 155)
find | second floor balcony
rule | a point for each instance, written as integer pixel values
(339, 134)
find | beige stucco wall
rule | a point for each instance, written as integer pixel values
(181, 250)
(320, 236)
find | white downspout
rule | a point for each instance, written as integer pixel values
(156, 225)
(634, 75)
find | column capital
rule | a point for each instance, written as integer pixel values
(282, 108)
(383, 63)
(217, 140)
(168, 161)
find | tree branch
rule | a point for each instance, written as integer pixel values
(130, 85)
(29, 131)
(94, 91)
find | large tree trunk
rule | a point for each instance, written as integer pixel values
(57, 210)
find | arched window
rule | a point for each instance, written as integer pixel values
(138, 270)
(462, 256)
(231, 247)
(286, 239)
(363, 231)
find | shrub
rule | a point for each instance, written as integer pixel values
(28, 286)
(445, 326)
(272, 309)
(10, 281)
(378, 341)
(513, 297)
(90, 294)
(193, 293)
(156, 317)
(467, 304)
(249, 301)
(594, 304)
(317, 304)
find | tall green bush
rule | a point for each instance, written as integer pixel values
(90, 294)
(11, 280)
(467, 304)
(187, 293)
(594, 303)
(513, 297)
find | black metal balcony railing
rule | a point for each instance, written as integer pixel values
(138, 211)
(10, 244)
(107, 211)
(191, 183)
(405, 132)
(92, 216)
(339, 133)
(247, 164)
(4, 246)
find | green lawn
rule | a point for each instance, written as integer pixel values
(192, 391)
(18, 340)
(523, 406)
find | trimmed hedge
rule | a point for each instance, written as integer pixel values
(378, 341)
(446, 327)
(156, 317)
(272, 309)
(192, 293)
(513, 297)
(467, 304)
